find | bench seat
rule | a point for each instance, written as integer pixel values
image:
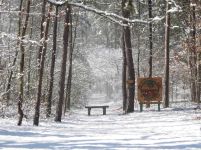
(97, 106)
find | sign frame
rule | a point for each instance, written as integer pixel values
(149, 89)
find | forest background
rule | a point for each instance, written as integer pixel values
(55, 54)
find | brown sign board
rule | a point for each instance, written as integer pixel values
(149, 89)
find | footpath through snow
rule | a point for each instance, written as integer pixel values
(149, 130)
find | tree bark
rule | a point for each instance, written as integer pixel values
(63, 66)
(167, 51)
(29, 60)
(192, 51)
(16, 54)
(150, 39)
(51, 82)
(124, 70)
(199, 79)
(126, 4)
(196, 55)
(199, 71)
(42, 29)
(69, 79)
(138, 41)
(22, 50)
(41, 66)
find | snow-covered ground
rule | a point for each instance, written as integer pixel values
(149, 130)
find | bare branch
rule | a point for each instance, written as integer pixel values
(107, 14)
(111, 16)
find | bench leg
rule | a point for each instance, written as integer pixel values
(89, 111)
(159, 107)
(141, 107)
(104, 111)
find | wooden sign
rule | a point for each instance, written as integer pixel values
(149, 89)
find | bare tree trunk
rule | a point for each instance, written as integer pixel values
(8, 87)
(126, 4)
(69, 79)
(124, 70)
(167, 51)
(42, 29)
(63, 66)
(16, 54)
(199, 78)
(138, 41)
(150, 43)
(51, 82)
(192, 51)
(196, 54)
(150, 39)
(9, 30)
(199, 70)
(29, 60)
(22, 50)
(41, 67)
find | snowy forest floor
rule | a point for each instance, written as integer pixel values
(148, 130)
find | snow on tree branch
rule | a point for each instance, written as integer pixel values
(14, 37)
(176, 7)
(58, 3)
(17, 12)
(106, 14)
(111, 16)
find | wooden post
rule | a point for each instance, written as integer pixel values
(141, 107)
(159, 106)
(89, 111)
(104, 110)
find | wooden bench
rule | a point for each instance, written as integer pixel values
(150, 102)
(90, 107)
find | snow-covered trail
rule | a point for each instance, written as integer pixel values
(149, 130)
